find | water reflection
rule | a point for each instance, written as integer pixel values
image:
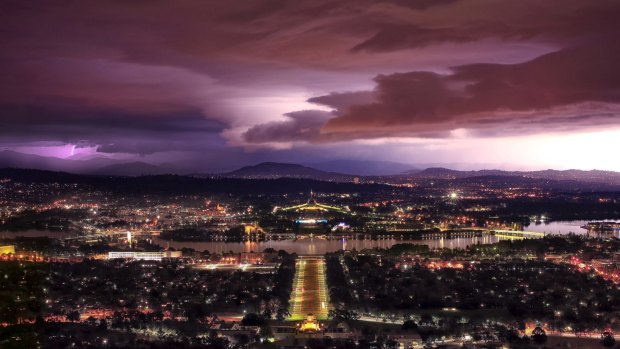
(320, 246)
(568, 227)
(559, 227)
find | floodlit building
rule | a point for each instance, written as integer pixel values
(310, 325)
(407, 339)
(144, 256)
(243, 258)
(9, 249)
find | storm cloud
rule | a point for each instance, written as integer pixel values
(155, 77)
(482, 95)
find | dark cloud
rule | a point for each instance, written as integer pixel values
(421, 4)
(155, 76)
(570, 89)
(341, 100)
(402, 36)
(491, 94)
(112, 130)
(469, 21)
(298, 126)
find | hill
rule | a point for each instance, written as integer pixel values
(592, 176)
(175, 184)
(272, 170)
(99, 165)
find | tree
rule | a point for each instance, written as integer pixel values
(73, 316)
(266, 331)
(348, 315)
(91, 321)
(607, 339)
(252, 319)
(242, 339)
(369, 332)
(39, 320)
(103, 325)
(427, 320)
(315, 343)
(158, 315)
(409, 325)
(539, 336)
(282, 313)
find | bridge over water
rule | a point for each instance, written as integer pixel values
(516, 234)
(507, 234)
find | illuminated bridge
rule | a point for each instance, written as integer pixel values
(515, 234)
(310, 295)
(477, 231)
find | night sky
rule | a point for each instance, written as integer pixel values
(213, 85)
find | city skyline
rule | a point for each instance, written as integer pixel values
(310, 174)
(210, 87)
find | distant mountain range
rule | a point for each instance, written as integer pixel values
(176, 184)
(339, 171)
(592, 176)
(97, 165)
(284, 178)
(283, 170)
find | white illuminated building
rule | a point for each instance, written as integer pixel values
(144, 256)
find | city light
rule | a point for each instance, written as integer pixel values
(310, 174)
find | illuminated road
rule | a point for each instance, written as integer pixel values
(309, 294)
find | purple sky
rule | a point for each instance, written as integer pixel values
(209, 85)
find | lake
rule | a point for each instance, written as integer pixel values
(563, 227)
(317, 246)
(559, 227)
(320, 246)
